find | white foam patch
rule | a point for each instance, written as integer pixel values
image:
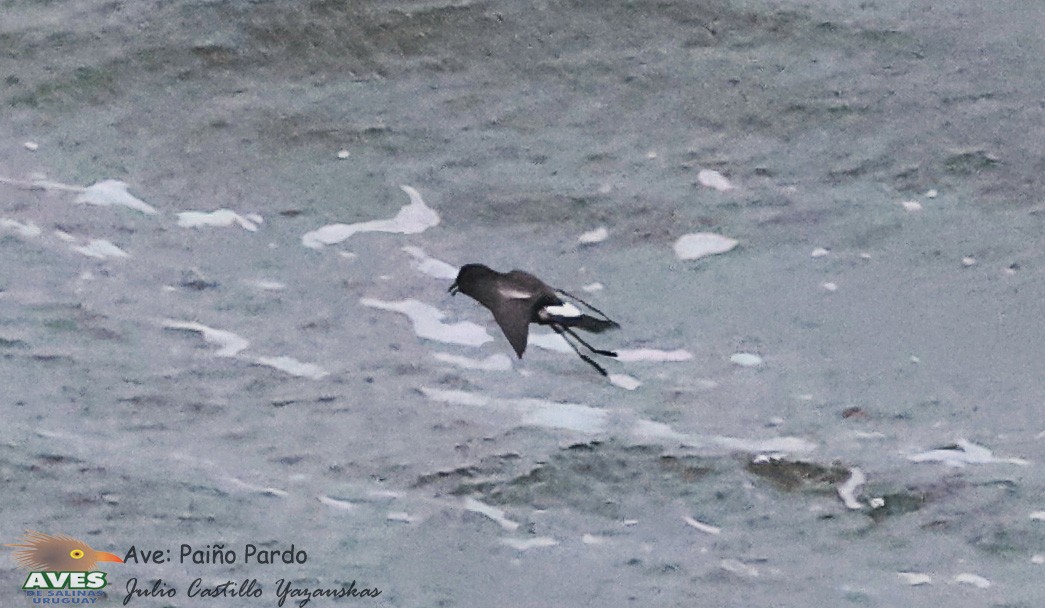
(429, 265)
(594, 236)
(738, 567)
(337, 503)
(389, 494)
(847, 490)
(531, 412)
(965, 452)
(239, 483)
(594, 539)
(113, 192)
(565, 416)
(975, 580)
(41, 184)
(1038, 516)
(293, 367)
(625, 381)
(746, 359)
(267, 285)
(703, 527)
(776, 445)
(27, 230)
(819, 252)
(590, 420)
(475, 506)
(713, 179)
(530, 543)
(703, 244)
(230, 344)
(220, 218)
(653, 355)
(593, 287)
(414, 218)
(648, 429)
(494, 363)
(101, 249)
(428, 322)
(915, 578)
(401, 516)
(869, 435)
(456, 397)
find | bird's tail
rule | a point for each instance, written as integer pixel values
(587, 323)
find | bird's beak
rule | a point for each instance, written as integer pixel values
(102, 556)
(454, 289)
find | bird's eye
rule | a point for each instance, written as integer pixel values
(76, 554)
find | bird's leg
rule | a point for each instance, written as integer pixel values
(604, 353)
(559, 329)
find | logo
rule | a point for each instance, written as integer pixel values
(61, 568)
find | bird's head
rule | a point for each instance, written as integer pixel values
(467, 277)
(59, 553)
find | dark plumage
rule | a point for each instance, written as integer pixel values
(518, 298)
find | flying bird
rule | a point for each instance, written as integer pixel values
(58, 553)
(518, 298)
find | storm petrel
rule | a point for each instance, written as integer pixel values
(518, 298)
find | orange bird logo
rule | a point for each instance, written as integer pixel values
(58, 553)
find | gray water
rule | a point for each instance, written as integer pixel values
(524, 125)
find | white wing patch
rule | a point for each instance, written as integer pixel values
(515, 294)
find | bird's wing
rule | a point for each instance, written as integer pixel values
(513, 316)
